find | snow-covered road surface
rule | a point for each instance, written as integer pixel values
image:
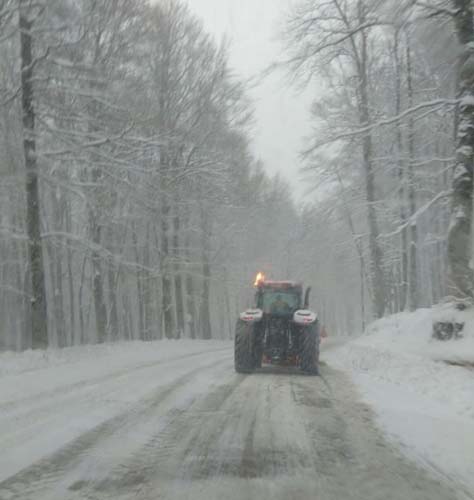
(186, 426)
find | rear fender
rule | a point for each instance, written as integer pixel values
(252, 315)
(304, 317)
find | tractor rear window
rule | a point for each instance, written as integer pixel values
(280, 302)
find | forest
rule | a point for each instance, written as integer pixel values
(132, 205)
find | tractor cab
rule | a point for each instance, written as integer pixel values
(279, 298)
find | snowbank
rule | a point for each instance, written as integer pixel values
(422, 402)
(410, 333)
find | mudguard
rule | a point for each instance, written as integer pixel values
(252, 315)
(304, 317)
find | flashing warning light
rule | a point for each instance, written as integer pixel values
(259, 279)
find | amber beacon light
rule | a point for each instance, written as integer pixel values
(259, 279)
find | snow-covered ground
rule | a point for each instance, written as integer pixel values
(422, 402)
(49, 398)
(172, 420)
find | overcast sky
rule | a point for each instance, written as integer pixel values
(281, 113)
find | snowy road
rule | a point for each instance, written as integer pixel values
(186, 426)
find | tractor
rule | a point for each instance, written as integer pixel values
(280, 330)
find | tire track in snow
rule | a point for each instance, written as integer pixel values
(25, 424)
(181, 451)
(215, 438)
(314, 439)
(275, 434)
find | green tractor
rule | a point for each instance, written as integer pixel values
(279, 330)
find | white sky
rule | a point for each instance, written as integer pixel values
(282, 113)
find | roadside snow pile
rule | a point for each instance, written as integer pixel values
(423, 402)
(411, 333)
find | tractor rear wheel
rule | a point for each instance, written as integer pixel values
(309, 355)
(243, 356)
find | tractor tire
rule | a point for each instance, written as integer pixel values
(243, 356)
(309, 355)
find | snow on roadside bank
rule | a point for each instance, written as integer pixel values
(410, 333)
(422, 402)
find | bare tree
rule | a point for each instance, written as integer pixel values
(459, 240)
(324, 35)
(39, 314)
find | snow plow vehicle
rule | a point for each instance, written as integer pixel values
(279, 330)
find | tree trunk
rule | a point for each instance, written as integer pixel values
(178, 280)
(59, 299)
(378, 285)
(358, 247)
(401, 183)
(81, 301)
(189, 282)
(205, 316)
(23, 283)
(459, 237)
(97, 282)
(140, 295)
(167, 299)
(191, 307)
(70, 279)
(165, 167)
(147, 288)
(56, 271)
(72, 305)
(413, 280)
(39, 314)
(112, 278)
